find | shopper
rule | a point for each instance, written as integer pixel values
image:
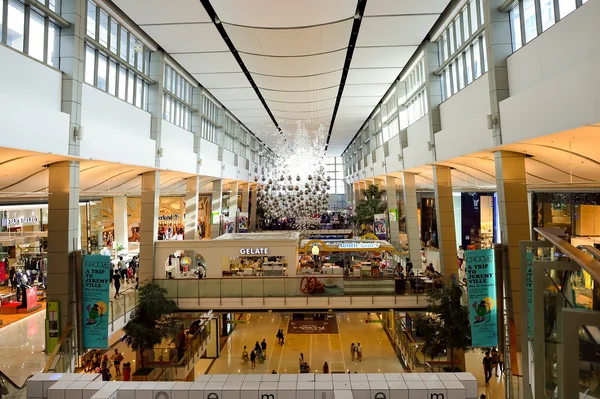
(359, 352)
(263, 346)
(245, 357)
(353, 351)
(117, 283)
(460, 254)
(487, 368)
(12, 277)
(501, 362)
(122, 269)
(115, 271)
(423, 259)
(325, 368)
(117, 358)
(256, 346)
(301, 358)
(494, 357)
(482, 396)
(127, 372)
(253, 359)
(105, 374)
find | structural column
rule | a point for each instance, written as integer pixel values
(511, 182)
(409, 189)
(216, 204)
(191, 208)
(444, 209)
(155, 101)
(233, 204)
(254, 204)
(63, 225)
(392, 204)
(245, 190)
(120, 222)
(148, 224)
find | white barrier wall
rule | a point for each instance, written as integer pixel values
(261, 386)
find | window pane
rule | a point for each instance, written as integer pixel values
(36, 36)
(461, 73)
(476, 60)
(469, 69)
(529, 17)
(547, 13)
(566, 7)
(451, 39)
(54, 5)
(112, 78)
(138, 92)
(465, 23)
(139, 60)
(91, 19)
(484, 63)
(147, 59)
(90, 55)
(481, 13)
(122, 83)
(131, 50)
(130, 86)
(1, 19)
(101, 83)
(145, 99)
(473, 10)
(444, 46)
(124, 46)
(53, 45)
(103, 30)
(16, 25)
(454, 78)
(457, 33)
(114, 38)
(515, 28)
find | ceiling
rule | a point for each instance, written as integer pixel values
(296, 55)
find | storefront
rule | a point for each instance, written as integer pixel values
(476, 220)
(230, 255)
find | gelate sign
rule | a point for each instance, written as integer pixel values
(254, 251)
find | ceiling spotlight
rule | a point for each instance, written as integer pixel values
(218, 21)
(357, 15)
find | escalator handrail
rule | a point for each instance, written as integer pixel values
(6, 378)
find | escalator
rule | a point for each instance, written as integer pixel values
(10, 390)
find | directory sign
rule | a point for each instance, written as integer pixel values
(96, 293)
(481, 286)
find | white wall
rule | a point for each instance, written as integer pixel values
(464, 122)
(391, 162)
(178, 149)
(30, 115)
(553, 80)
(417, 154)
(209, 155)
(115, 130)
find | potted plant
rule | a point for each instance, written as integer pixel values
(151, 322)
(118, 249)
(446, 326)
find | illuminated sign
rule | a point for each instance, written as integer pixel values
(169, 217)
(19, 221)
(254, 251)
(358, 245)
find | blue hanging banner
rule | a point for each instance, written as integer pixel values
(96, 294)
(529, 266)
(481, 286)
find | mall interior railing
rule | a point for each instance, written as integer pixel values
(561, 319)
(11, 389)
(296, 287)
(62, 359)
(121, 306)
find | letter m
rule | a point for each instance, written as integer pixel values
(267, 396)
(437, 396)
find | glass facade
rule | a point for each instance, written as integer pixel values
(177, 101)
(210, 112)
(110, 47)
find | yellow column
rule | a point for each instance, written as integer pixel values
(148, 225)
(191, 208)
(444, 208)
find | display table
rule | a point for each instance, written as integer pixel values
(10, 307)
(30, 301)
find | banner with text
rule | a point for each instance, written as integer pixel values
(529, 266)
(380, 226)
(96, 293)
(481, 286)
(243, 222)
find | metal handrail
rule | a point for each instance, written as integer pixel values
(6, 378)
(59, 344)
(584, 260)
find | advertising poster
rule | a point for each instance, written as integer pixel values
(2, 272)
(243, 222)
(96, 293)
(31, 297)
(481, 286)
(228, 225)
(52, 325)
(529, 266)
(393, 215)
(327, 286)
(380, 226)
(215, 216)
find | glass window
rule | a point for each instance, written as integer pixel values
(112, 78)
(529, 18)
(458, 33)
(147, 60)
(515, 28)
(444, 46)
(566, 7)
(101, 82)
(132, 51)
(36, 36)
(454, 78)
(465, 23)
(476, 60)
(130, 87)
(469, 69)
(91, 19)
(138, 92)
(52, 57)
(122, 83)
(448, 83)
(54, 5)
(1, 19)
(484, 63)
(124, 43)
(451, 38)
(114, 38)
(481, 12)
(90, 59)
(139, 60)
(146, 89)
(547, 13)
(461, 72)
(16, 25)
(474, 16)
(103, 29)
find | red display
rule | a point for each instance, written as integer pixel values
(31, 294)
(2, 271)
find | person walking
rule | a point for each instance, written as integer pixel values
(359, 352)
(487, 368)
(117, 358)
(123, 269)
(325, 368)
(301, 358)
(245, 357)
(494, 357)
(117, 283)
(352, 350)
(460, 254)
(263, 345)
(127, 372)
(253, 359)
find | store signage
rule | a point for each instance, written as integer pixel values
(481, 286)
(380, 226)
(19, 221)
(52, 325)
(254, 251)
(31, 297)
(358, 245)
(96, 292)
(529, 269)
(168, 217)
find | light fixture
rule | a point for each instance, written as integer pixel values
(315, 250)
(159, 151)
(492, 121)
(78, 132)
(217, 20)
